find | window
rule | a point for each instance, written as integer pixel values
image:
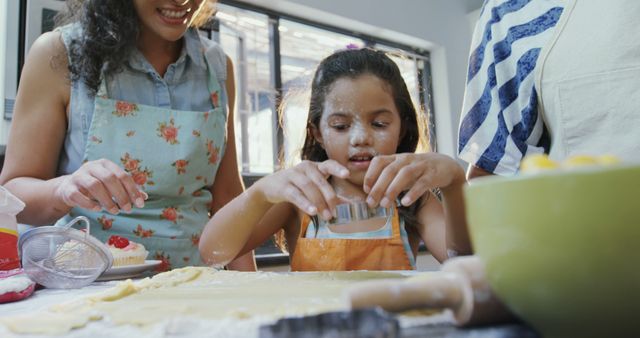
(275, 56)
(415, 71)
(244, 36)
(302, 47)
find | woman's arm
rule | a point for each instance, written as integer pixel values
(37, 132)
(36, 139)
(228, 183)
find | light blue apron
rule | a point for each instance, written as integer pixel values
(173, 156)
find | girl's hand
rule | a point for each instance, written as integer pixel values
(389, 175)
(305, 186)
(100, 184)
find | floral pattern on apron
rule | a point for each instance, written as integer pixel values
(173, 156)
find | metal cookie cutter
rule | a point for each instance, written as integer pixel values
(357, 211)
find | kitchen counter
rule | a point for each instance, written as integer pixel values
(439, 325)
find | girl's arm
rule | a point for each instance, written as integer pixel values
(228, 182)
(443, 225)
(267, 206)
(242, 225)
(457, 234)
(473, 172)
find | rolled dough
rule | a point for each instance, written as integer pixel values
(201, 293)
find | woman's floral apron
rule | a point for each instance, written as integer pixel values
(173, 156)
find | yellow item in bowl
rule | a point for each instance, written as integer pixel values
(608, 159)
(579, 161)
(541, 162)
(537, 162)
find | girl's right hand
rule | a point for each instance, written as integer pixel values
(305, 186)
(100, 184)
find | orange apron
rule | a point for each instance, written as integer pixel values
(345, 254)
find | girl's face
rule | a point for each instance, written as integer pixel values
(167, 19)
(360, 120)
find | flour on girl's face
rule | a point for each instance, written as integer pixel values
(360, 121)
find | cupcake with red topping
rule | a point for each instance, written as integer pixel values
(126, 252)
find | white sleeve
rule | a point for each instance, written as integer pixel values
(500, 121)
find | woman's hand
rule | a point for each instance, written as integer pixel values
(389, 175)
(306, 187)
(100, 184)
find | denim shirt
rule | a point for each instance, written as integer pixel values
(183, 87)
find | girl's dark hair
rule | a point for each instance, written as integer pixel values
(352, 63)
(109, 33)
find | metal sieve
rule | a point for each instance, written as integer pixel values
(61, 257)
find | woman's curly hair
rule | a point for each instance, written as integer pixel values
(109, 33)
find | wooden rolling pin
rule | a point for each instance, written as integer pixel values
(461, 286)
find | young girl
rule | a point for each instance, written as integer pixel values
(362, 132)
(127, 101)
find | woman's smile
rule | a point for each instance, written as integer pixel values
(175, 16)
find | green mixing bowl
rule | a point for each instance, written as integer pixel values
(562, 248)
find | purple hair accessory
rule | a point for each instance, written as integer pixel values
(353, 46)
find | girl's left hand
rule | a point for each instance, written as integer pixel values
(389, 175)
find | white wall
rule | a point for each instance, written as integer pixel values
(441, 26)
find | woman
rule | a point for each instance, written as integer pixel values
(127, 103)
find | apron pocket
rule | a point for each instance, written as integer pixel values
(599, 113)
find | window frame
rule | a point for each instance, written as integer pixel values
(423, 72)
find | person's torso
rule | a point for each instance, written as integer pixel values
(323, 246)
(500, 123)
(590, 80)
(171, 151)
(183, 87)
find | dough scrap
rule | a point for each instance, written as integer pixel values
(49, 323)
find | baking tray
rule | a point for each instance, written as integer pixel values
(365, 323)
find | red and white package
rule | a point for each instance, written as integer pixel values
(15, 285)
(10, 206)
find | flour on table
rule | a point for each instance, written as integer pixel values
(195, 295)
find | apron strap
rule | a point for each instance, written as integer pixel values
(102, 88)
(304, 224)
(395, 223)
(214, 86)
